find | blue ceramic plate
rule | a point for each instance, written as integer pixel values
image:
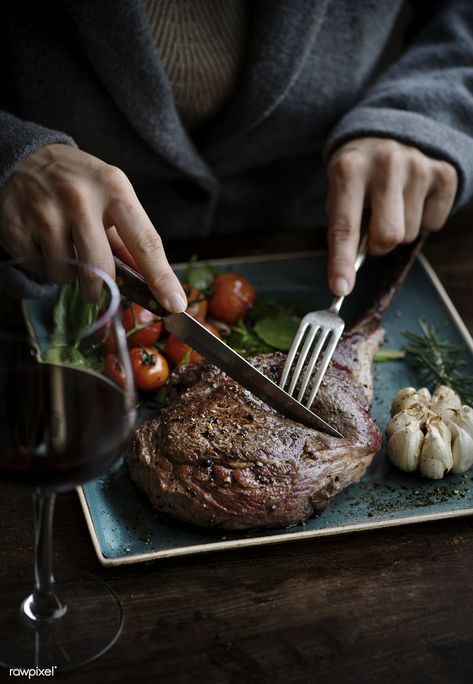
(124, 527)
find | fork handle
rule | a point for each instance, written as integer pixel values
(360, 257)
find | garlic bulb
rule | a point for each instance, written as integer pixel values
(433, 434)
(464, 419)
(462, 448)
(445, 401)
(408, 397)
(436, 454)
(461, 427)
(416, 414)
(405, 445)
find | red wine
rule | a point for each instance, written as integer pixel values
(59, 425)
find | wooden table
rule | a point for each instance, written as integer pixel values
(382, 606)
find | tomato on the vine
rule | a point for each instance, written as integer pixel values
(177, 351)
(149, 327)
(197, 302)
(150, 368)
(232, 295)
(114, 370)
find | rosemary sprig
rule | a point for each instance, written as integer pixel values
(440, 361)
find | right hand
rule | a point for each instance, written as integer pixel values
(61, 202)
(404, 188)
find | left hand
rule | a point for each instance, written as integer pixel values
(405, 189)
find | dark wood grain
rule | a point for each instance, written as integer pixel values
(390, 605)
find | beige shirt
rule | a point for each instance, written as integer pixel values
(201, 45)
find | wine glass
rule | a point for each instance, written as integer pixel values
(63, 421)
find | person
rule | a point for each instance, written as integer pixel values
(127, 123)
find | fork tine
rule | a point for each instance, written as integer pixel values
(312, 332)
(327, 357)
(324, 333)
(292, 352)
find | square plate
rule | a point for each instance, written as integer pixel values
(124, 527)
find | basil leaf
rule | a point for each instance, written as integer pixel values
(81, 314)
(71, 315)
(72, 356)
(245, 341)
(277, 331)
(200, 276)
(60, 318)
(276, 308)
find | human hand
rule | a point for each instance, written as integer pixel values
(61, 202)
(405, 189)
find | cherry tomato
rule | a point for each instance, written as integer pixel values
(232, 295)
(114, 370)
(135, 316)
(150, 368)
(197, 303)
(177, 351)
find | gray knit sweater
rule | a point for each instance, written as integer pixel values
(201, 45)
(88, 74)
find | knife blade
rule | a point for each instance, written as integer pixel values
(193, 333)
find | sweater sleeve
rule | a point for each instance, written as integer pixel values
(19, 139)
(425, 99)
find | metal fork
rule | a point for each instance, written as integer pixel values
(321, 331)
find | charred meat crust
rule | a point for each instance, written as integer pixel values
(217, 456)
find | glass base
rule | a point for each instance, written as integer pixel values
(89, 625)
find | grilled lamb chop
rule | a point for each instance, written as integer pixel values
(219, 457)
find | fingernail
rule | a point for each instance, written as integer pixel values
(177, 302)
(341, 287)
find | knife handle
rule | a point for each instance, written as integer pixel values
(134, 287)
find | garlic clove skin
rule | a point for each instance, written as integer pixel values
(445, 402)
(436, 453)
(424, 396)
(404, 399)
(416, 414)
(433, 433)
(462, 448)
(464, 419)
(404, 447)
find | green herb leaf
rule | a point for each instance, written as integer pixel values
(245, 341)
(185, 359)
(71, 356)
(386, 354)
(273, 308)
(277, 331)
(153, 403)
(60, 318)
(440, 361)
(200, 276)
(159, 398)
(72, 315)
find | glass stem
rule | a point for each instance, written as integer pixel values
(43, 605)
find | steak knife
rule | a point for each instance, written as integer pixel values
(193, 333)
